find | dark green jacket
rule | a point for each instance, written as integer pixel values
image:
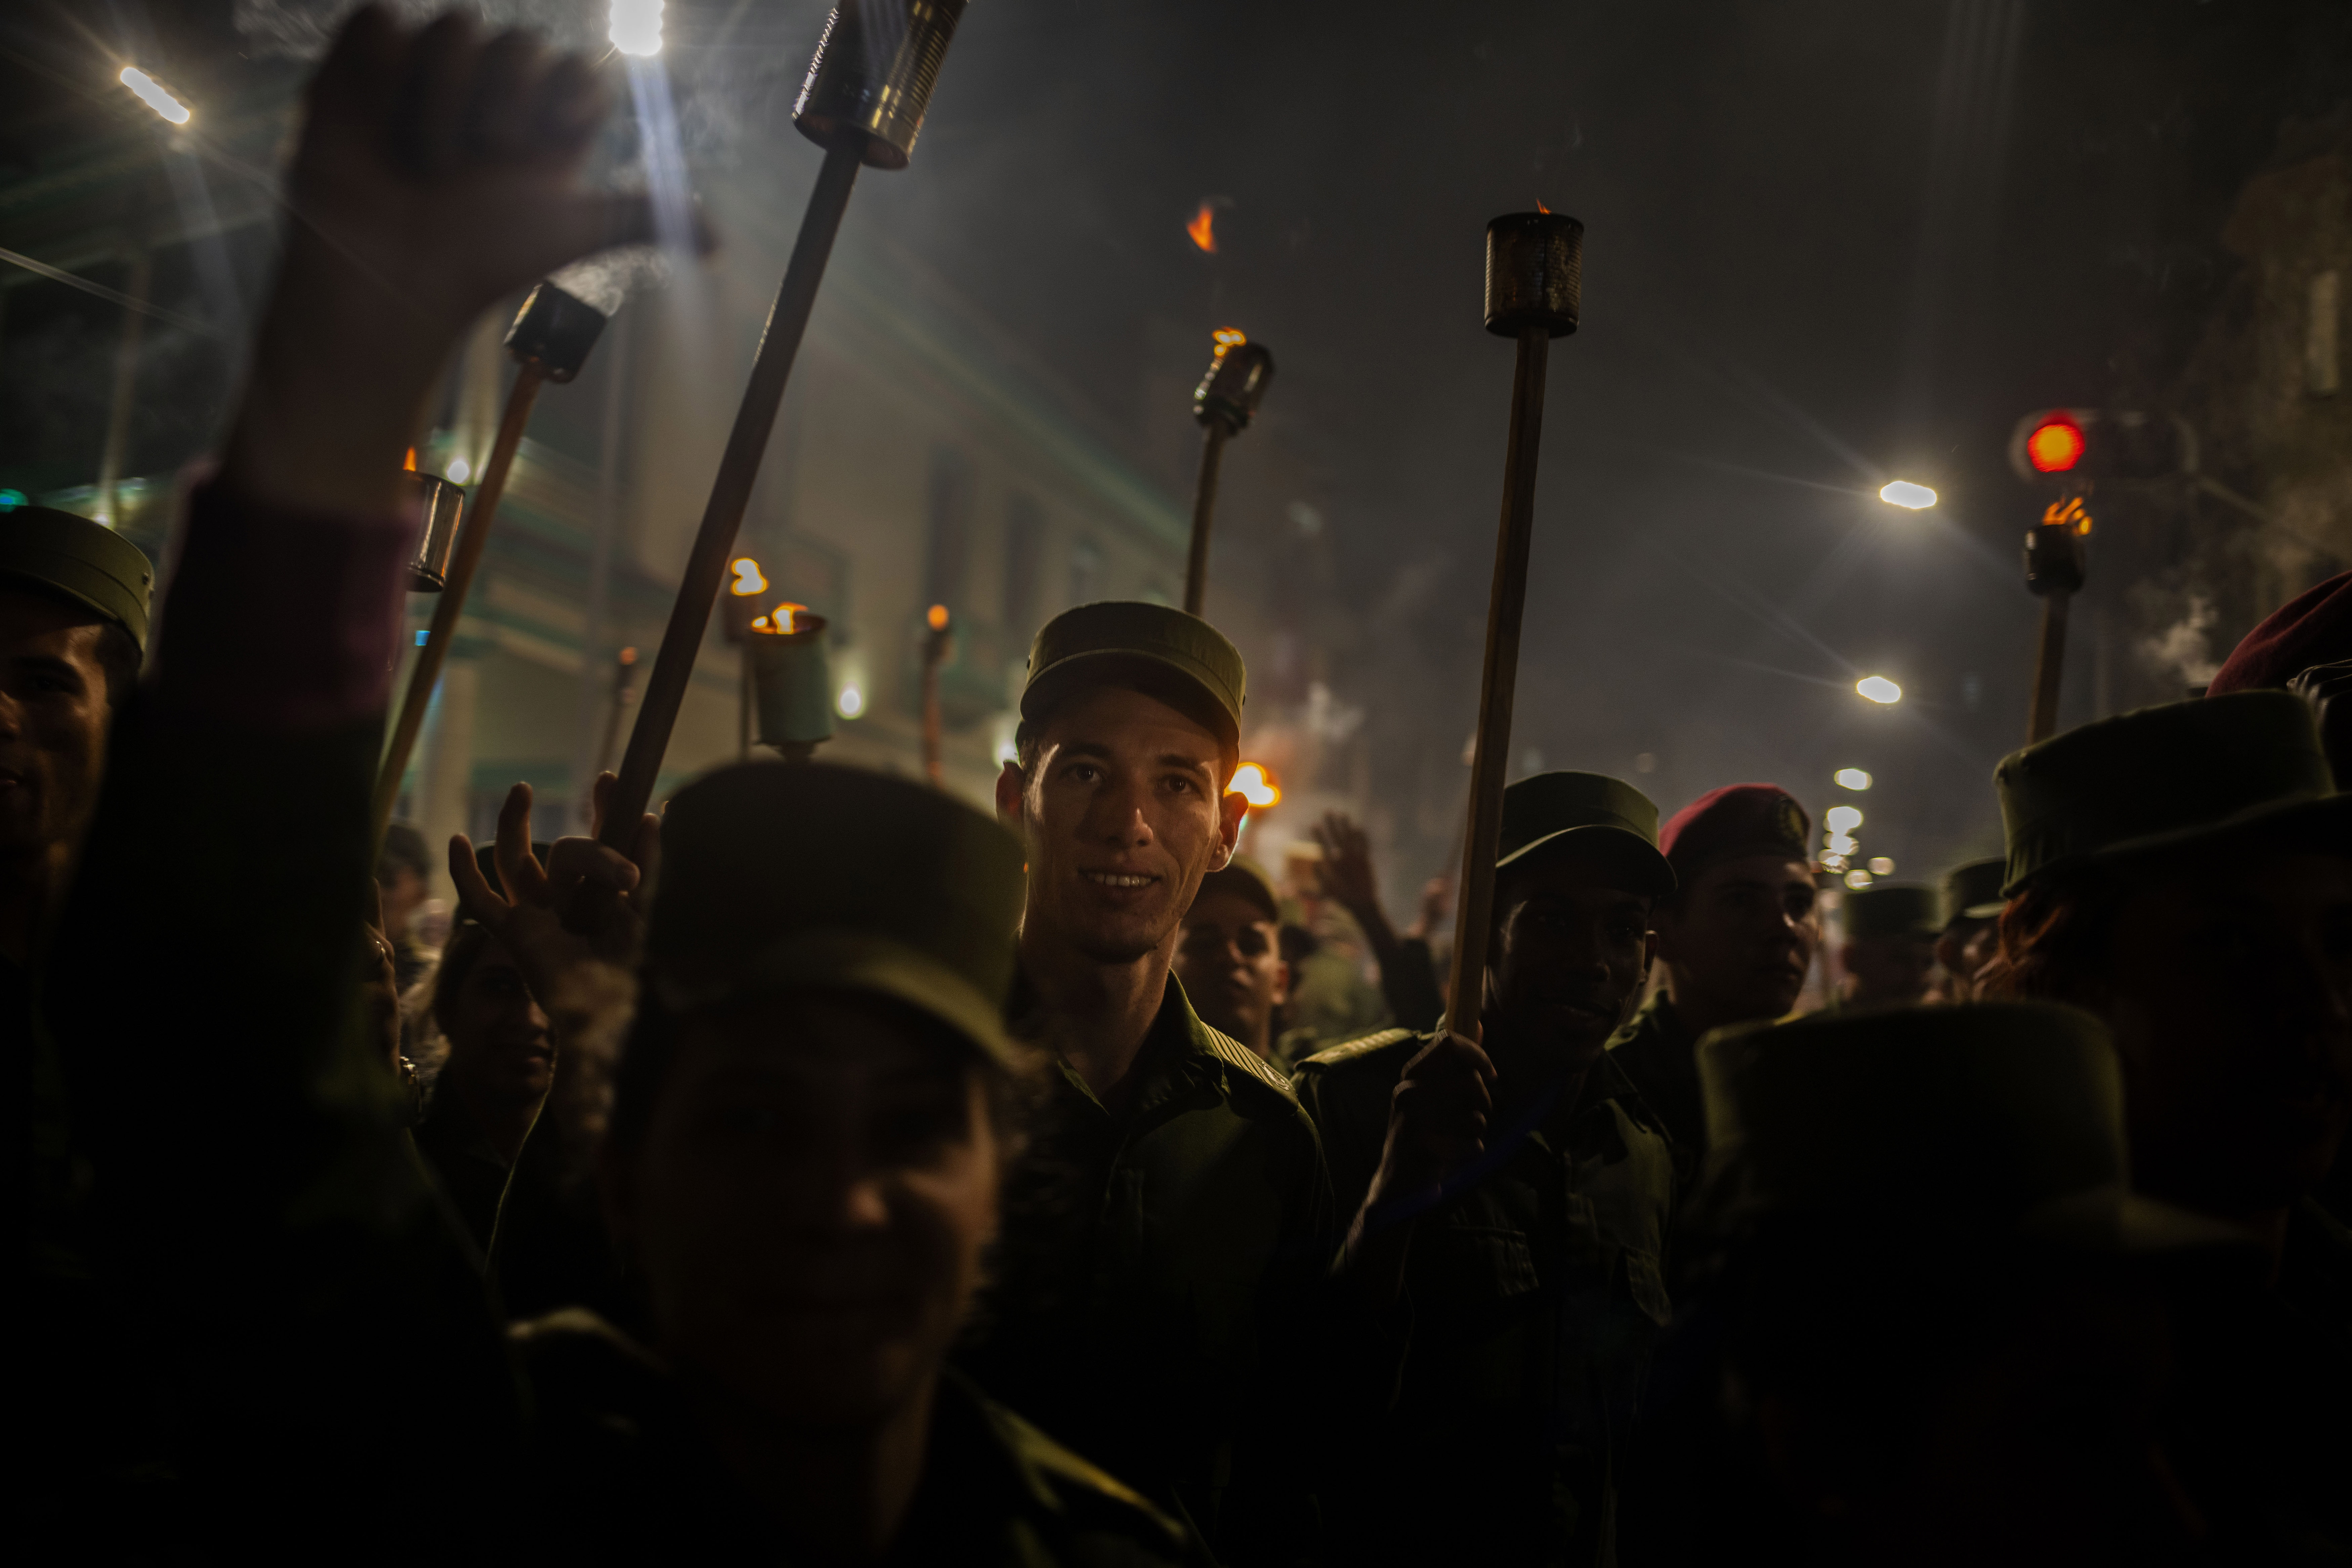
(1152, 1267)
(1659, 1054)
(1534, 1298)
(625, 1477)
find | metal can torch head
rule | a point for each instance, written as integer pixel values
(1237, 378)
(874, 72)
(1535, 273)
(554, 331)
(792, 677)
(438, 505)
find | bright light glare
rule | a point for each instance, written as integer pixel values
(1841, 844)
(1254, 785)
(460, 470)
(1903, 493)
(851, 702)
(1882, 867)
(1852, 778)
(637, 27)
(151, 94)
(1857, 880)
(1878, 688)
(1842, 818)
(748, 578)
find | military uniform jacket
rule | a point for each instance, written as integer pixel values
(620, 1476)
(1533, 1297)
(1151, 1265)
(1658, 1054)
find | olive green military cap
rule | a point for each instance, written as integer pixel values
(1892, 909)
(2163, 777)
(2004, 1115)
(1246, 879)
(1153, 648)
(1587, 816)
(86, 563)
(778, 876)
(1973, 891)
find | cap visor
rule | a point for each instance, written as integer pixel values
(1631, 860)
(1172, 680)
(2332, 812)
(853, 961)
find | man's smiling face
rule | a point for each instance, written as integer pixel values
(1124, 811)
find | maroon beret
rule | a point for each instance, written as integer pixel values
(2314, 628)
(1733, 822)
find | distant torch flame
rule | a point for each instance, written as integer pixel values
(2068, 514)
(1255, 782)
(938, 618)
(782, 621)
(1227, 338)
(746, 577)
(628, 656)
(1203, 228)
(1539, 207)
(410, 465)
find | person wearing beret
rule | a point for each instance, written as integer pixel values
(1511, 1196)
(1229, 955)
(1143, 1303)
(1890, 943)
(1970, 927)
(1938, 1323)
(1736, 937)
(2305, 646)
(2185, 872)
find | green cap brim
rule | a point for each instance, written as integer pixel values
(2330, 811)
(1618, 850)
(1183, 682)
(855, 961)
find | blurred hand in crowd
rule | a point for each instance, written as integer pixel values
(1436, 907)
(1346, 869)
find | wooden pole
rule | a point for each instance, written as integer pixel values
(1505, 610)
(2049, 667)
(730, 492)
(625, 671)
(473, 535)
(1204, 507)
(935, 653)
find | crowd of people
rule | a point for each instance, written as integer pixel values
(845, 1174)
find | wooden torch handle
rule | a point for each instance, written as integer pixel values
(730, 492)
(473, 537)
(1205, 509)
(1505, 610)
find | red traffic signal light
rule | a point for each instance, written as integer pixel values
(2055, 444)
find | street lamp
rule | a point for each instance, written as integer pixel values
(1878, 688)
(637, 27)
(1905, 494)
(1852, 778)
(150, 93)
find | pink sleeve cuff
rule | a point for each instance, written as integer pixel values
(281, 619)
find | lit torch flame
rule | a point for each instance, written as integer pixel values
(1203, 228)
(2067, 513)
(410, 465)
(1256, 782)
(938, 618)
(1227, 338)
(782, 621)
(748, 580)
(1540, 207)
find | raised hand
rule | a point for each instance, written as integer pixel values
(1347, 874)
(1437, 1122)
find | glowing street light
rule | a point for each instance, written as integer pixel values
(1882, 867)
(1878, 688)
(150, 93)
(1852, 778)
(1841, 844)
(1842, 818)
(637, 27)
(1857, 880)
(1905, 494)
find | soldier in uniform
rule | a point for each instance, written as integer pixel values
(1511, 1196)
(1229, 955)
(1182, 1216)
(1737, 937)
(2185, 872)
(1971, 927)
(1890, 943)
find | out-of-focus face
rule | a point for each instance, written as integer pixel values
(1124, 812)
(1964, 949)
(1890, 969)
(1230, 961)
(2229, 988)
(810, 1205)
(1570, 952)
(53, 718)
(501, 1046)
(1740, 938)
(403, 890)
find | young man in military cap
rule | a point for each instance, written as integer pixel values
(1890, 943)
(1971, 927)
(2185, 872)
(1229, 957)
(1511, 1196)
(1737, 937)
(1194, 1211)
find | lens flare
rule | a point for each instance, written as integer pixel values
(150, 93)
(1878, 688)
(1903, 493)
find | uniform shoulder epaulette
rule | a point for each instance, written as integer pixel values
(1234, 1053)
(1363, 1046)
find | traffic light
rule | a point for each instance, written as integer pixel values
(2075, 444)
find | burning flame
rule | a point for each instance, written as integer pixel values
(2067, 513)
(746, 577)
(938, 618)
(1227, 338)
(782, 621)
(628, 656)
(1256, 782)
(1203, 228)
(1539, 207)
(410, 465)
